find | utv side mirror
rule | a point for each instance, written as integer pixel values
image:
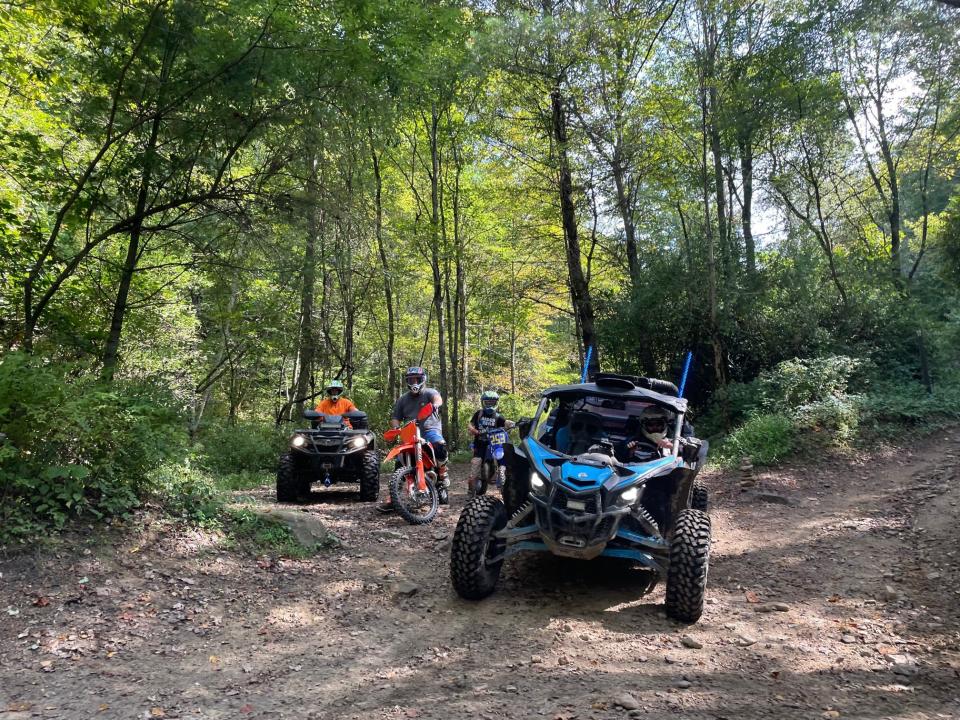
(523, 427)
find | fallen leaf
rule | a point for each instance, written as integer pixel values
(599, 706)
(752, 597)
(834, 598)
(41, 601)
(214, 659)
(103, 707)
(158, 712)
(248, 708)
(19, 707)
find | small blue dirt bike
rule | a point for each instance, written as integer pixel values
(494, 466)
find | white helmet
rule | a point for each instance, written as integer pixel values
(653, 424)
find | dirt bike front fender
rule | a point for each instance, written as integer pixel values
(399, 449)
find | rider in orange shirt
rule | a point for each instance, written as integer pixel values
(334, 403)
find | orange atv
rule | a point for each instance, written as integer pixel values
(413, 486)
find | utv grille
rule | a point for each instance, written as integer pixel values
(561, 501)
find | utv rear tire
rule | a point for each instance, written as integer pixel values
(689, 563)
(290, 487)
(473, 542)
(369, 477)
(700, 497)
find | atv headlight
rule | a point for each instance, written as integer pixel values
(356, 443)
(629, 496)
(537, 483)
(298, 441)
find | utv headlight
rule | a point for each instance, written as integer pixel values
(356, 443)
(629, 496)
(537, 484)
(298, 441)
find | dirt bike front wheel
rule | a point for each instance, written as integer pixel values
(486, 475)
(415, 506)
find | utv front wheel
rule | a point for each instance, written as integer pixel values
(689, 563)
(369, 477)
(289, 486)
(474, 568)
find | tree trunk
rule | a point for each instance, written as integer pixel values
(626, 217)
(579, 288)
(112, 347)
(746, 172)
(306, 348)
(713, 329)
(436, 260)
(392, 389)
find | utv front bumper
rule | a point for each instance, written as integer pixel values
(577, 525)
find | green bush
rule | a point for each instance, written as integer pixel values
(893, 406)
(839, 417)
(76, 445)
(186, 493)
(244, 447)
(765, 439)
(796, 383)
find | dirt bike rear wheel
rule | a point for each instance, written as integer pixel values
(414, 507)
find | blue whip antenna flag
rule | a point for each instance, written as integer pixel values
(586, 364)
(686, 371)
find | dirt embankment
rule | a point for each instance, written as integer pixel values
(839, 599)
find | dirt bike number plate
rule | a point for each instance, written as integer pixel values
(576, 505)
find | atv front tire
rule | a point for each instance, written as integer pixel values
(689, 563)
(699, 497)
(290, 487)
(474, 578)
(400, 497)
(369, 477)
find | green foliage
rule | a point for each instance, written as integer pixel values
(765, 439)
(246, 447)
(186, 493)
(75, 445)
(894, 408)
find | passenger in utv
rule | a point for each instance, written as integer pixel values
(651, 441)
(335, 403)
(408, 407)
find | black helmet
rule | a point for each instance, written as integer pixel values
(416, 379)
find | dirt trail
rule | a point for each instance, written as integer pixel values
(865, 561)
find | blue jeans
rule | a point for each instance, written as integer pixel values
(435, 438)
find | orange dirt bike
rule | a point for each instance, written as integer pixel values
(413, 486)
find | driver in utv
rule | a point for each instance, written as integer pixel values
(651, 440)
(408, 407)
(335, 403)
(484, 419)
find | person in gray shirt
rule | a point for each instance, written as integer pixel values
(407, 407)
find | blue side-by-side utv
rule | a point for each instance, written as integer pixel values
(588, 481)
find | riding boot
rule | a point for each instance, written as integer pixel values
(443, 485)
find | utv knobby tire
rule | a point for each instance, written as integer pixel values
(369, 477)
(473, 542)
(290, 487)
(700, 497)
(689, 563)
(398, 481)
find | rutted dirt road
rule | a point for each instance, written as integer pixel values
(865, 560)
